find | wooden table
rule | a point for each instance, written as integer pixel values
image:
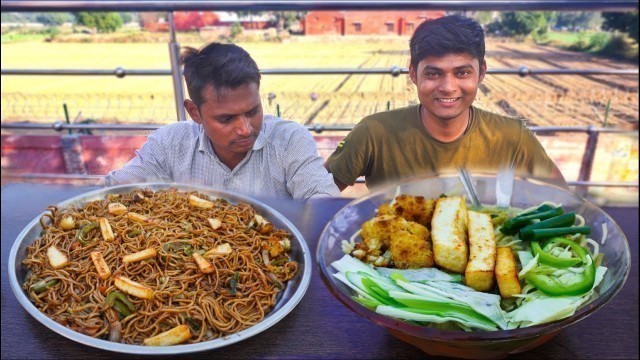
(320, 326)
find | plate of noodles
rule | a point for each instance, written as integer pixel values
(159, 268)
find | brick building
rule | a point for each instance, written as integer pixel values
(366, 22)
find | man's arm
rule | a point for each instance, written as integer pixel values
(305, 175)
(338, 183)
(147, 165)
(349, 160)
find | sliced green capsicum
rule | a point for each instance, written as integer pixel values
(577, 284)
(547, 258)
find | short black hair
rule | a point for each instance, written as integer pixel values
(219, 65)
(452, 34)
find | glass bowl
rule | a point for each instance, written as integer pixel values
(488, 344)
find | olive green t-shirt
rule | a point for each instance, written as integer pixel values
(394, 145)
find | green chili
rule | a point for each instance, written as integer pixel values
(578, 284)
(188, 249)
(537, 234)
(234, 283)
(133, 233)
(564, 220)
(121, 308)
(511, 226)
(84, 232)
(194, 324)
(546, 257)
(115, 296)
(43, 285)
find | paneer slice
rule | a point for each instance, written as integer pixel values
(105, 229)
(215, 223)
(204, 266)
(449, 234)
(222, 249)
(177, 335)
(507, 272)
(101, 265)
(67, 223)
(116, 208)
(139, 218)
(57, 259)
(482, 252)
(199, 202)
(133, 288)
(140, 255)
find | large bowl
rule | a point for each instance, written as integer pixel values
(287, 299)
(495, 344)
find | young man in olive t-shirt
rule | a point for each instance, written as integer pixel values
(444, 131)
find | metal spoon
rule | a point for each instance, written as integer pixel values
(469, 185)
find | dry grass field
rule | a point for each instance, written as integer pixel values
(542, 100)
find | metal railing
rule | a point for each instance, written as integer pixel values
(175, 71)
(289, 5)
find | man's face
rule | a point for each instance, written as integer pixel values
(447, 85)
(231, 118)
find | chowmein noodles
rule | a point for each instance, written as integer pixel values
(162, 260)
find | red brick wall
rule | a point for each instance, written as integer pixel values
(45, 153)
(366, 22)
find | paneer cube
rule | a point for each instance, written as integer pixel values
(105, 229)
(222, 250)
(67, 223)
(215, 223)
(507, 272)
(133, 288)
(57, 259)
(479, 273)
(199, 202)
(177, 335)
(116, 208)
(204, 266)
(449, 233)
(101, 265)
(139, 218)
(140, 255)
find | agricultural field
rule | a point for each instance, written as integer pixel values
(309, 99)
(540, 100)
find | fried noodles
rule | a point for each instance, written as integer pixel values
(241, 289)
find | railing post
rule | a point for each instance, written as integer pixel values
(176, 71)
(587, 160)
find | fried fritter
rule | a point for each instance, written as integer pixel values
(411, 248)
(377, 231)
(411, 208)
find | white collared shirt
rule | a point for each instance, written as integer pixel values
(283, 163)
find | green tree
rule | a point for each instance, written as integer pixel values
(575, 20)
(524, 22)
(54, 19)
(236, 29)
(625, 22)
(126, 17)
(103, 22)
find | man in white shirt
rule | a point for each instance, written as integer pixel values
(230, 144)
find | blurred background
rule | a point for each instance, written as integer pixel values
(535, 59)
